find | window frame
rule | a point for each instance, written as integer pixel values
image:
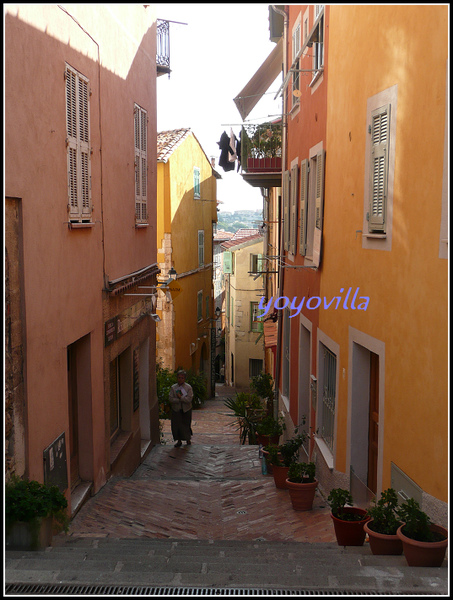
(201, 248)
(200, 306)
(256, 324)
(141, 164)
(196, 183)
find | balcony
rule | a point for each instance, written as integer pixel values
(163, 48)
(261, 154)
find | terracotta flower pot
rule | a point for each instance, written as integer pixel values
(302, 494)
(350, 533)
(381, 543)
(424, 554)
(35, 535)
(266, 440)
(280, 474)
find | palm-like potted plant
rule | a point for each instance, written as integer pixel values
(424, 543)
(248, 410)
(31, 510)
(302, 485)
(348, 520)
(383, 524)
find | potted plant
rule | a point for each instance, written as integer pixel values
(348, 521)
(31, 509)
(383, 524)
(268, 430)
(248, 410)
(281, 457)
(424, 543)
(263, 386)
(302, 485)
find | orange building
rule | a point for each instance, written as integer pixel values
(80, 179)
(362, 300)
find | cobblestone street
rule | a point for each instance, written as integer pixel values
(211, 490)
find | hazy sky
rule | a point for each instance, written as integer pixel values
(211, 60)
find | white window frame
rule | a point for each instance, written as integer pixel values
(141, 164)
(311, 205)
(296, 46)
(78, 146)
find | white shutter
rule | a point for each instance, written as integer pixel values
(303, 206)
(200, 247)
(286, 178)
(380, 127)
(293, 209)
(141, 163)
(78, 144)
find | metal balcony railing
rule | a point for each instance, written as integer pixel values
(261, 147)
(163, 47)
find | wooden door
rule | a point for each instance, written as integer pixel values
(373, 435)
(73, 417)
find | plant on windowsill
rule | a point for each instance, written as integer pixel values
(424, 543)
(348, 521)
(383, 524)
(31, 510)
(302, 485)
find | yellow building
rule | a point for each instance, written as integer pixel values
(244, 341)
(186, 214)
(385, 235)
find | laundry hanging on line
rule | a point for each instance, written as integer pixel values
(230, 151)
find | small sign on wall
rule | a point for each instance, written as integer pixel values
(55, 468)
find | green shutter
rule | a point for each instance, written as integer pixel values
(227, 262)
(380, 130)
(303, 206)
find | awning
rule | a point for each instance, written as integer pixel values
(258, 85)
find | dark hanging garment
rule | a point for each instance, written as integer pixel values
(225, 150)
(238, 150)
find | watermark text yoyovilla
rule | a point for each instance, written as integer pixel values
(347, 302)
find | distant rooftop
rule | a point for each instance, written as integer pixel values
(168, 141)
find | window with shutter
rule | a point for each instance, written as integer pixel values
(380, 127)
(78, 146)
(196, 183)
(141, 164)
(200, 305)
(200, 247)
(227, 262)
(303, 206)
(293, 209)
(286, 181)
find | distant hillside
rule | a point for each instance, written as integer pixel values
(232, 221)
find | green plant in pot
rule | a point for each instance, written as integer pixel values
(248, 410)
(268, 430)
(302, 485)
(30, 507)
(424, 542)
(348, 520)
(263, 386)
(383, 524)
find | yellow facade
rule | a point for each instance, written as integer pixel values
(403, 271)
(183, 215)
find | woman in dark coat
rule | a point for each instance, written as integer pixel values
(180, 398)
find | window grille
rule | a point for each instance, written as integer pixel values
(328, 397)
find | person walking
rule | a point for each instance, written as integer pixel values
(180, 398)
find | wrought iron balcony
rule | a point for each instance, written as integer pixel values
(163, 47)
(261, 154)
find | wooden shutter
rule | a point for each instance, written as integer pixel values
(303, 206)
(78, 145)
(141, 163)
(200, 247)
(286, 180)
(293, 210)
(380, 128)
(196, 183)
(319, 189)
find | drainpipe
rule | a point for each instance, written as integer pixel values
(280, 211)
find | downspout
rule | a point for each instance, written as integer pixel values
(280, 212)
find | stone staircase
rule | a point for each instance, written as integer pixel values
(91, 565)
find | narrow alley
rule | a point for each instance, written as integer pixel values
(212, 490)
(204, 520)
